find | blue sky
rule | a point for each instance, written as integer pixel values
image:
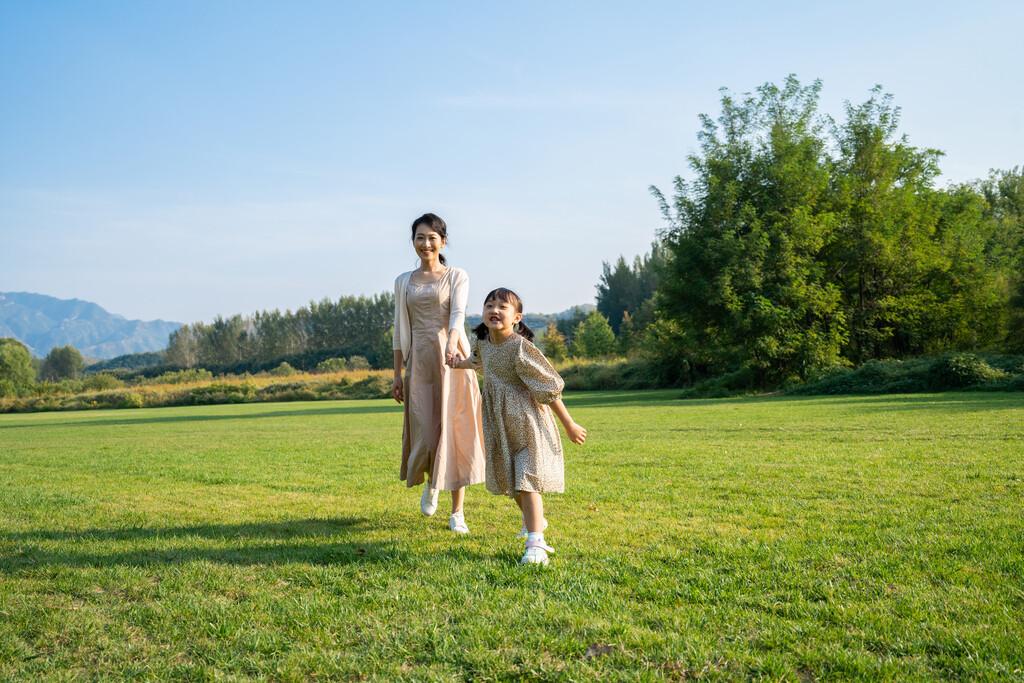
(180, 160)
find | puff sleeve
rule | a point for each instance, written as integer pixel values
(474, 355)
(535, 371)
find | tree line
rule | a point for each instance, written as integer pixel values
(350, 326)
(802, 243)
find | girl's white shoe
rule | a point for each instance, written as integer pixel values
(523, 533)
(536, 550)
(457, 523)
(428, 501)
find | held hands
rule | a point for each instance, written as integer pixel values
(575, 433)
(398, 388)
(454, 360)
(452, 351)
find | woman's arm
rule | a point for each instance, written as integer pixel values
(398, 386)
(575, 433)
(457, 316)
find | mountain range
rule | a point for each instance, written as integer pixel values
(42, 322)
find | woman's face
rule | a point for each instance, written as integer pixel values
(427, 243)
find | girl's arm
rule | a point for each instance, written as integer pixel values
(575, 433)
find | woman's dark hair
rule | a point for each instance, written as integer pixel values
(432, 221)
(509, 297)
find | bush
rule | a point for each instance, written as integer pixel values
(132, 400)
(631, 374)
(735, 383)
(358, 363)
(222, 392)
(962, 370)
(101, 382)
(332, 365)
(283, 370)
(183, 376)
(8, 389)
(374, 386)
(944, 373)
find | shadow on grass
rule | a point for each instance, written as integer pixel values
(954, 400)
(294, 543)
(142, 418)
(332, 526)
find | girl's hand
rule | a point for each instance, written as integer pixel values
(454, 360)
(398, 389)
(576, 433)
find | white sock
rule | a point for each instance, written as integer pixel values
(535, 536)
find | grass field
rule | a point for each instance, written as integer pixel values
(775, 538)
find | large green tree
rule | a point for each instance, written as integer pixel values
(16, 371)
(1004, 216)
(745, 278)
(909, 258)
(63, 362)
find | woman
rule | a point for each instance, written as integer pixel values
(442, 436)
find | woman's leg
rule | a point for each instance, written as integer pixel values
(533, 510)
(458, 497)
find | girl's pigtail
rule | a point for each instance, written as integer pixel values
(480, 331)
(525, 331)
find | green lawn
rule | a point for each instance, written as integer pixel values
(778, 538)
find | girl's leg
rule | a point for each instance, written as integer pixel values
(533, 510)
(458, 497)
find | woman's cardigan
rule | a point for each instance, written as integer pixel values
(456, 319)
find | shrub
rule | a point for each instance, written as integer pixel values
(735, 383)
(374, 386)
(286, 391)
(332, 365)
(101, 381)
(632, 373)
(358, 363)
(283, 370)
(943, 373)
(961, 370)
(222, 392)
(183, 376)
(8, 389)
(132, 400)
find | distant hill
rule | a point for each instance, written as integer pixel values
(538, 322)
(43, 322)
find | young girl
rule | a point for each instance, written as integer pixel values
(520, 392)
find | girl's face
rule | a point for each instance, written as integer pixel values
(501, 316)
(427, 243)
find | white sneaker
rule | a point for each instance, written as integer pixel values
(536, 550)
(428, 501)
(524, 532)
(457, 523)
